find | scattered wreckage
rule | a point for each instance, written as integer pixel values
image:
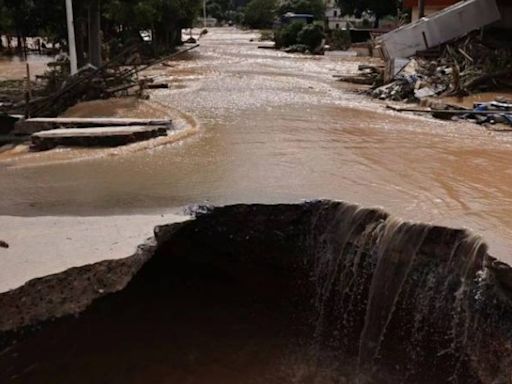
(431, 58)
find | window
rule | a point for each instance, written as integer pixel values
(337, 26)
(335, 13)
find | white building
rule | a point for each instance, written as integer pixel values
(334, 20)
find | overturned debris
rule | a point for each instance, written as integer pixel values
(496, 112)
(90, 83)
(462, 67)
(368, 75)
(450, 23)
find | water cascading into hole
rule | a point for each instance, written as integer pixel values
(322, 292)
(382, 302)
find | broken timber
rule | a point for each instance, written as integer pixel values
(96, 136)
(30, 126)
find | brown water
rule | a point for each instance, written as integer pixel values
(275, 127)
(14, 68)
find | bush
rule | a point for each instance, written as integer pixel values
(288, 34)
(260, 13)
(267, 35)
(236, 17)
(340, 39)
(311, 36)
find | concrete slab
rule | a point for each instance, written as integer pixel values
(39, 246)
(33, 125)
(450, 23)
(95, 136)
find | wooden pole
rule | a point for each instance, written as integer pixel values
(29, 83)
(204, 13)
(95, 33)
(28, 93)
(421, 8)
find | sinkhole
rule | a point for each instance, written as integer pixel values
(319, 292)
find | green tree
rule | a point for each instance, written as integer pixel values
(260, 13)
(379, 8)
(165, 18)
(311, 36)
(288, 34)
(219, 9)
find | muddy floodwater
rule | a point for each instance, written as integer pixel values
(14, 67)
(274, 127)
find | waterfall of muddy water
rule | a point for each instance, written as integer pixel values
(323, 292)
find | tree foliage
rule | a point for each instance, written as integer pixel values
(311, 36)
(288, 34)
(47, 17)
(379, 8)
(260, 13)
(220, 9)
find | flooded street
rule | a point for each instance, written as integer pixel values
(274, 127)
(12, 68)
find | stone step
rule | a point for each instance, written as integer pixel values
(95, 136)
(39, 124)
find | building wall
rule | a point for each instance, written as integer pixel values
(429, 10)
(332, 14)
(506, 16)
(438, 5)
(335, 20)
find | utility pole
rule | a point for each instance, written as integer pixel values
(71, 37)
(95, 33)
(204, 13)
(421, 8)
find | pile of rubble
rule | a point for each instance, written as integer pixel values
(368, 75)
(62, 91)
(417, 80)
(458, 68)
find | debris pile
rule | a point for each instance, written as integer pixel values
(491, 113)
(368, 75)
(487, 114)
(90, 83)
(458, 68)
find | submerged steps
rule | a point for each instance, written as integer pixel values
(95, 136)
(33, 125)
(47, 133)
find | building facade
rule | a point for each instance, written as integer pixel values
(333, 16)
(433, 6)
(335, 20)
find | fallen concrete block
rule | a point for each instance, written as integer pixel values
(429, 32)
